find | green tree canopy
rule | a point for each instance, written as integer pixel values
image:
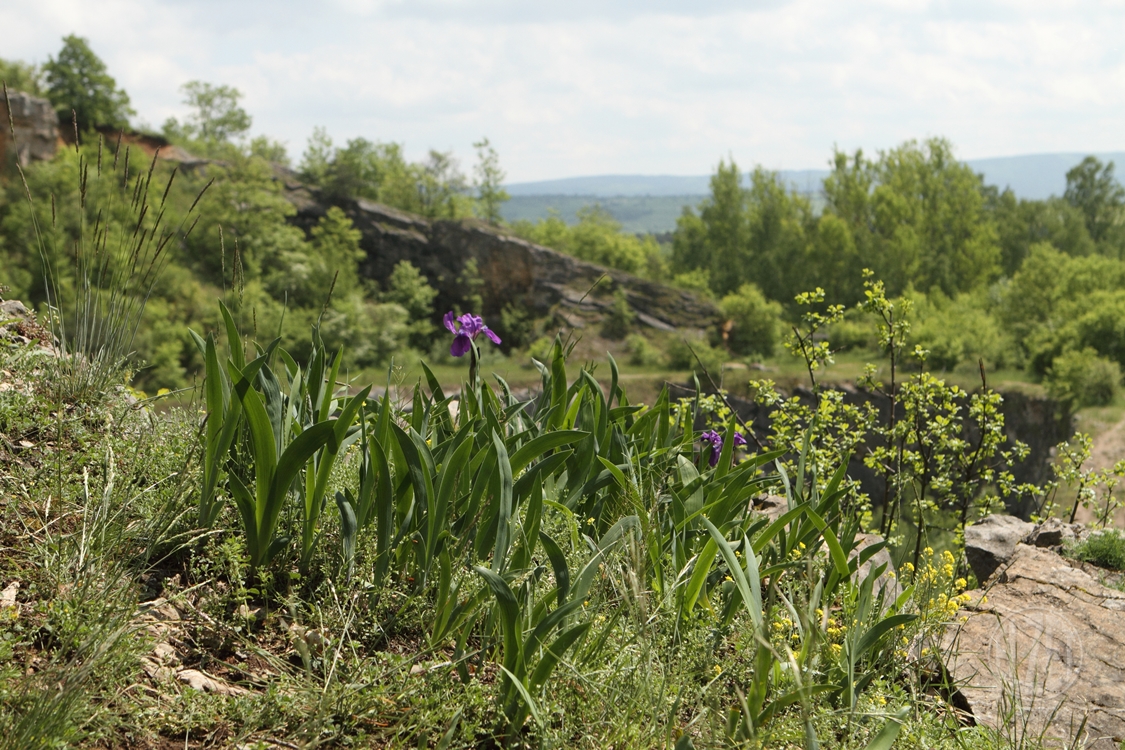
(597, 237)
(489, 182)
(914, 215)
(362, 168)
(1093, 190)
(753, 323)
(78, 80)
(216, 116)
(20, 76)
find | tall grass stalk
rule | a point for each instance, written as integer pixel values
(98, 280)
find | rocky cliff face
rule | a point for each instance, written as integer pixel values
(36, 129)
(38, 135)
(512, 270)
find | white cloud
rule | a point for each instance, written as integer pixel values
(584, 87)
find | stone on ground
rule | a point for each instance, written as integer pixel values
(992, 541)
(1045, 651)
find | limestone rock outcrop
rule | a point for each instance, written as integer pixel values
(1056, 534)
(36, 129)
(19, 325)
(512, 270)
(991, 542)
(1044, 652)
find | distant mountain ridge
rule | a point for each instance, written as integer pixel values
(1031, 176)
(651, 203)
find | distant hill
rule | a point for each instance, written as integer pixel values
(651, 203)
(637, 213)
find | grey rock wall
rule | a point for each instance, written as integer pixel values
(513, 270)
(36, 129)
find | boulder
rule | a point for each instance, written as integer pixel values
(991, 542)
(1056, 533)
(1044, 652)
(19, 325)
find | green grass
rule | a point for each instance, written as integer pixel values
(644, 382)
(1105, 548)
(98, 526)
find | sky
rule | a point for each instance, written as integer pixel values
(585, 87)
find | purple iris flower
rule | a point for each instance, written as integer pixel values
(716, 441)
(465, 330)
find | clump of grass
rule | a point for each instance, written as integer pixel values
(99, 275)
(1105, 548)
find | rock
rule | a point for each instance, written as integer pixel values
(9, 606)
(512, 270)
(20, 325)
(887, 580)
(772, 506)
(165, 653)
(1046, 650)
(208, 684)
(1055, 533)
(36, 130)
(13, 308)
(991, 542)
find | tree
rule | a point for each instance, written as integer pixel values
(929, 215)
(726, 231)
(753, 235)
(19, 76)
(216, 118)
(597, 237)
(1021, 224)
(77, 81)
(489, 182)
(441, 186)
(1092, 188)
(777, 220)
(713, 241)
(266, 148)
(917, 217)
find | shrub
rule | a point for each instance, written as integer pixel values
(1105, 549)
(641, 351)
(696, 280)
(516, 326)
(620, 317)
(753, 321)
(540, 349)
(680, 356)
(407, 288)
(1081, 378)
(850, 334)
(959, 330)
